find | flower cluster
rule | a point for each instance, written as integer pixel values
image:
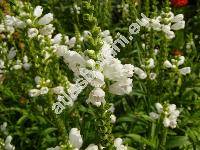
(166, 22)
(168, 113)
(148, 67)
(175, 63)
(7, 143)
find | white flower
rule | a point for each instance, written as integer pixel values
(152, 76)
(90, 63)
(38, 11)
(9, 20)
(57, 38)
(172, 107)
(44, 90)
(46, 19)
(106, 37)
(170, 35)
(166, 28)
(128, 70)
(181, 60)
(113, 118)
(166, 122)
(18, 65)
(118, 144)
(154, 115)
(37, 80)
(2, 28)
(34, 92)
(159, 107)
(178, 18)
(8, 146)
(12, 53)
(113, 69)
(19, 24)
(75, 138)
(47, 30)
(106, 51)
(155, 24)
(140, 73)
(72, 42)
(3, 128)
(92, 147)
(168, 64)
(179, 25)
(98, 80)
(151, 63)
(112, 108)
(26, 66)
(1, 64)
(60, 50)
(75, 61)
(55, 148)
(96, 97)
(86, 34)
(58, 90)
(32, 32)
(121, 87)
(185, 70)
(173, 124)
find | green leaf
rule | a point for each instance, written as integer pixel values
(141, 139)
(177, 141)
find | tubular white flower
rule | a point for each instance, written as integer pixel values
(46, 19)
(47, 30)
(128, 70)
(34, 92)
(154, 115)
(170, 35)
(98, 80)
(181, 60)
(57, 38)
(113, 69)
(185, 70)
(179, 25)
(12, 53)
(75, 138)
(113, 118)
(92, 147)
(178, 18)
(155, 24)
(151, 63)
(60, 50)
(38, 11)
(159, 107)
(1, 64)
(168, 64)
(58, 90)
(32, 32)
(96, 97)
(118, 144)
(152, 76)
(166, 122)
(172, 107)
(140, 73)
(121, 87)
(2, 28)
(44, 90)
(72, 42)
